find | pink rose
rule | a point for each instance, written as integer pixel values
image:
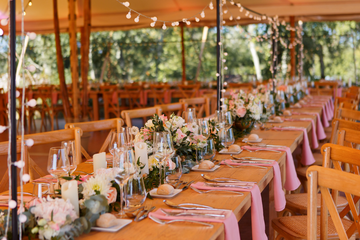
(241, 112)
(54, 226)
(111, 197)
(231, 104)
(180, 134)
(170, 164)
(163, 118)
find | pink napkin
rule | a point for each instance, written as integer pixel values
(315, 143)
(231, 226)
(292, 182)
(257, 212)
(279, 197)
(307, 158)
(319, 127)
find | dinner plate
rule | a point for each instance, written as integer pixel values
(153, 193)
(196, 168)
(225, 151)
(122, 223)
(252, 141)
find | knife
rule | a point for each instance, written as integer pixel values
(144, 214)
(187, 186)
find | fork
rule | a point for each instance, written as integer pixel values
(242, 165)
(155, 219)
(214, 190)
(194, 214)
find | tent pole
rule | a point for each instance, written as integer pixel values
(274, 51)
(14, 217)
(292, 50)
(60, 65)
(203, 41)
(85, 45)
(74, 60)
(218, 63)
(183, 53)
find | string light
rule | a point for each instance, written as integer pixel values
(164, 26)
(197, 19)
(30, 3)
(137, 18)
(202, 14)
(188, 22)
(152, 24)
(231, 18)
(24, 13)
(126, 4)
(4, 21)
(128, 16)
(211, 5)
(1, 32)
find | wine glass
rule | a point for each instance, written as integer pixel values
(227, 119)
(163, 148)
(128, 137)
(71, 152)
(173, 171)
(117, 142)
(135, 193)
(209, 150)
(227, 138)
(58, 163)
(122, 176)
(190, 115)
(204, 128)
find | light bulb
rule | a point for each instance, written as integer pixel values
(17, 93)
(173, 24)
(24, 13)
(164, 26)
(31, 103)
(128, 16)
(197, 19)
(224, 60)
(247, 13)
(19, 164)
(12, 204)
(1, 32)
(223, 90)
(29, 142)
(22, 218)
(225, 68)
(30, 3)
(238, 4)
(26, 177)
(231, 18)
(3, 128)
(126, 4)
(220, 43)
(217, 74)
(202, 14)
(225, 11)
(154, 19)
(223, 22)
(31, 68)
(211, 5)
(238, 18)
(225, 53)
(251, 16)
(241, 9)
(137, 18)
(152, 24)
(4, 21)
(232, 2)
(32, 35)
(225, 84)
(188, 22)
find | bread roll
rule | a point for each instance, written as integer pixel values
(165, 189)
(297, 105)
(277, 119)
(253, 137)
(106, 220)
(287, 113)
(206, 165)
(302, 102)
(234, 148)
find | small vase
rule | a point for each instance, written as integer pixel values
(242, 124)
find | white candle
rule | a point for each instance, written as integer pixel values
(141, 152)
(69, 190)
(99, 161)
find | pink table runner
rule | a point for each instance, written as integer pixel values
(315, 143)
(319, 127)
(230, 222)
(292, 182)
(307, 157)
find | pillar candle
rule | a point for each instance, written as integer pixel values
(141, 152)
(99, 161)
(69, 190)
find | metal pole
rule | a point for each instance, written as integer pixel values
(12, 117)
(218, 63)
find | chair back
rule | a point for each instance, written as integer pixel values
(188, 90)
(111, 101)
(158, 92)
(354, 89)
(135, 94)
(139, 113)
(95, 126)
(247, 87)
(349, 105)
(202, 105)
(338, 124)
(348, 114)
(354, 96)
(176, 108)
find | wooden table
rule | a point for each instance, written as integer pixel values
(147, 229)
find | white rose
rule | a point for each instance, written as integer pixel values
(168, 125)
(149, 124)
(134, 130)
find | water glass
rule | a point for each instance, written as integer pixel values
(135, 193)
(190, 115)
(209, 150)
(227, 138)
(122, 178)
(204, 128)
(58, 164)
(71, 152)
(173, 170)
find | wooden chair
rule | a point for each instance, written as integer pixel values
(176, 108)
(348, 114)
(139, 113)
(297, 227)
(54, 137)
(355, 96)
(158, 92)
(327, 88)
(202, 105)
(4, 146)
(354, 89)
(134, 92)
(111, 101)
(188, 90)
(94, 126)
(247, 87)
(348, 105)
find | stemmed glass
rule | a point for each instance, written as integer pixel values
(135, 193)
(163, 148)
(58, 163)
(204, 128)
(223, 120)
(227, 138)
(190, 115)
(71, 152)
(117, 142)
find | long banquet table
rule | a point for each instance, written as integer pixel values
(239, 204)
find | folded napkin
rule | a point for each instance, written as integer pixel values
(307, 157)
(292, 182)
(279, 195)
(232, 231)
(319, 127)
(315, 143)
(257, 212)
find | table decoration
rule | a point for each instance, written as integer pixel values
(69, 190)
(99, 161)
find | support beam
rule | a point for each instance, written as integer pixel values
(218, 60)
(85, 45)
(292, 50)
(203, 41)
(13, 168)
(60, 65)
(183, 53)
(74, 60)
(274, 51)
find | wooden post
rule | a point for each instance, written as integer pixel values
(292, 50)
(183, 53)
(85, 45)
(60, 65)
(74, 60)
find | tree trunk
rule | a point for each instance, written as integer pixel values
(107, 58)
(85, 44)
(60, 65)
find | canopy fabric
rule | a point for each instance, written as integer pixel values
(111, 15)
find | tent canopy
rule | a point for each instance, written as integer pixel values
(111, 14)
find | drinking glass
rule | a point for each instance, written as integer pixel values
(58, 163)
(209, 150)
(227, 138)
(173, 170)
(190, 115)
(122, 177)
(163, 148)
(227, 119)
(117, 142)
(135, 193)
(128, 137)
(204, 128)
(223, 120)
(71, 152)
